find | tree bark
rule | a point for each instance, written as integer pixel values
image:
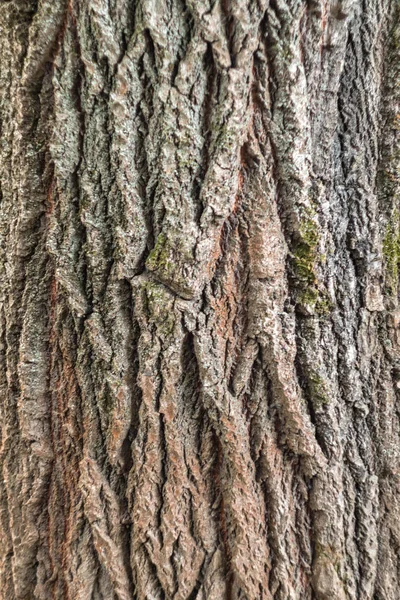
(199, 315)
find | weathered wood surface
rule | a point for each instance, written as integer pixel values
(199, 318)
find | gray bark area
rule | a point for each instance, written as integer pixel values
(199, 317)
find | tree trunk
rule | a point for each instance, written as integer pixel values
(199, 316)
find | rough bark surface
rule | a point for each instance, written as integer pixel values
(199, 317)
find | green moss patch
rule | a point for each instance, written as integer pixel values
(305, 257)
(391, 253)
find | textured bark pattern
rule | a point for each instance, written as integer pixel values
(199, 318)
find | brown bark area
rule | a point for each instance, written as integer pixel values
(199, 320)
